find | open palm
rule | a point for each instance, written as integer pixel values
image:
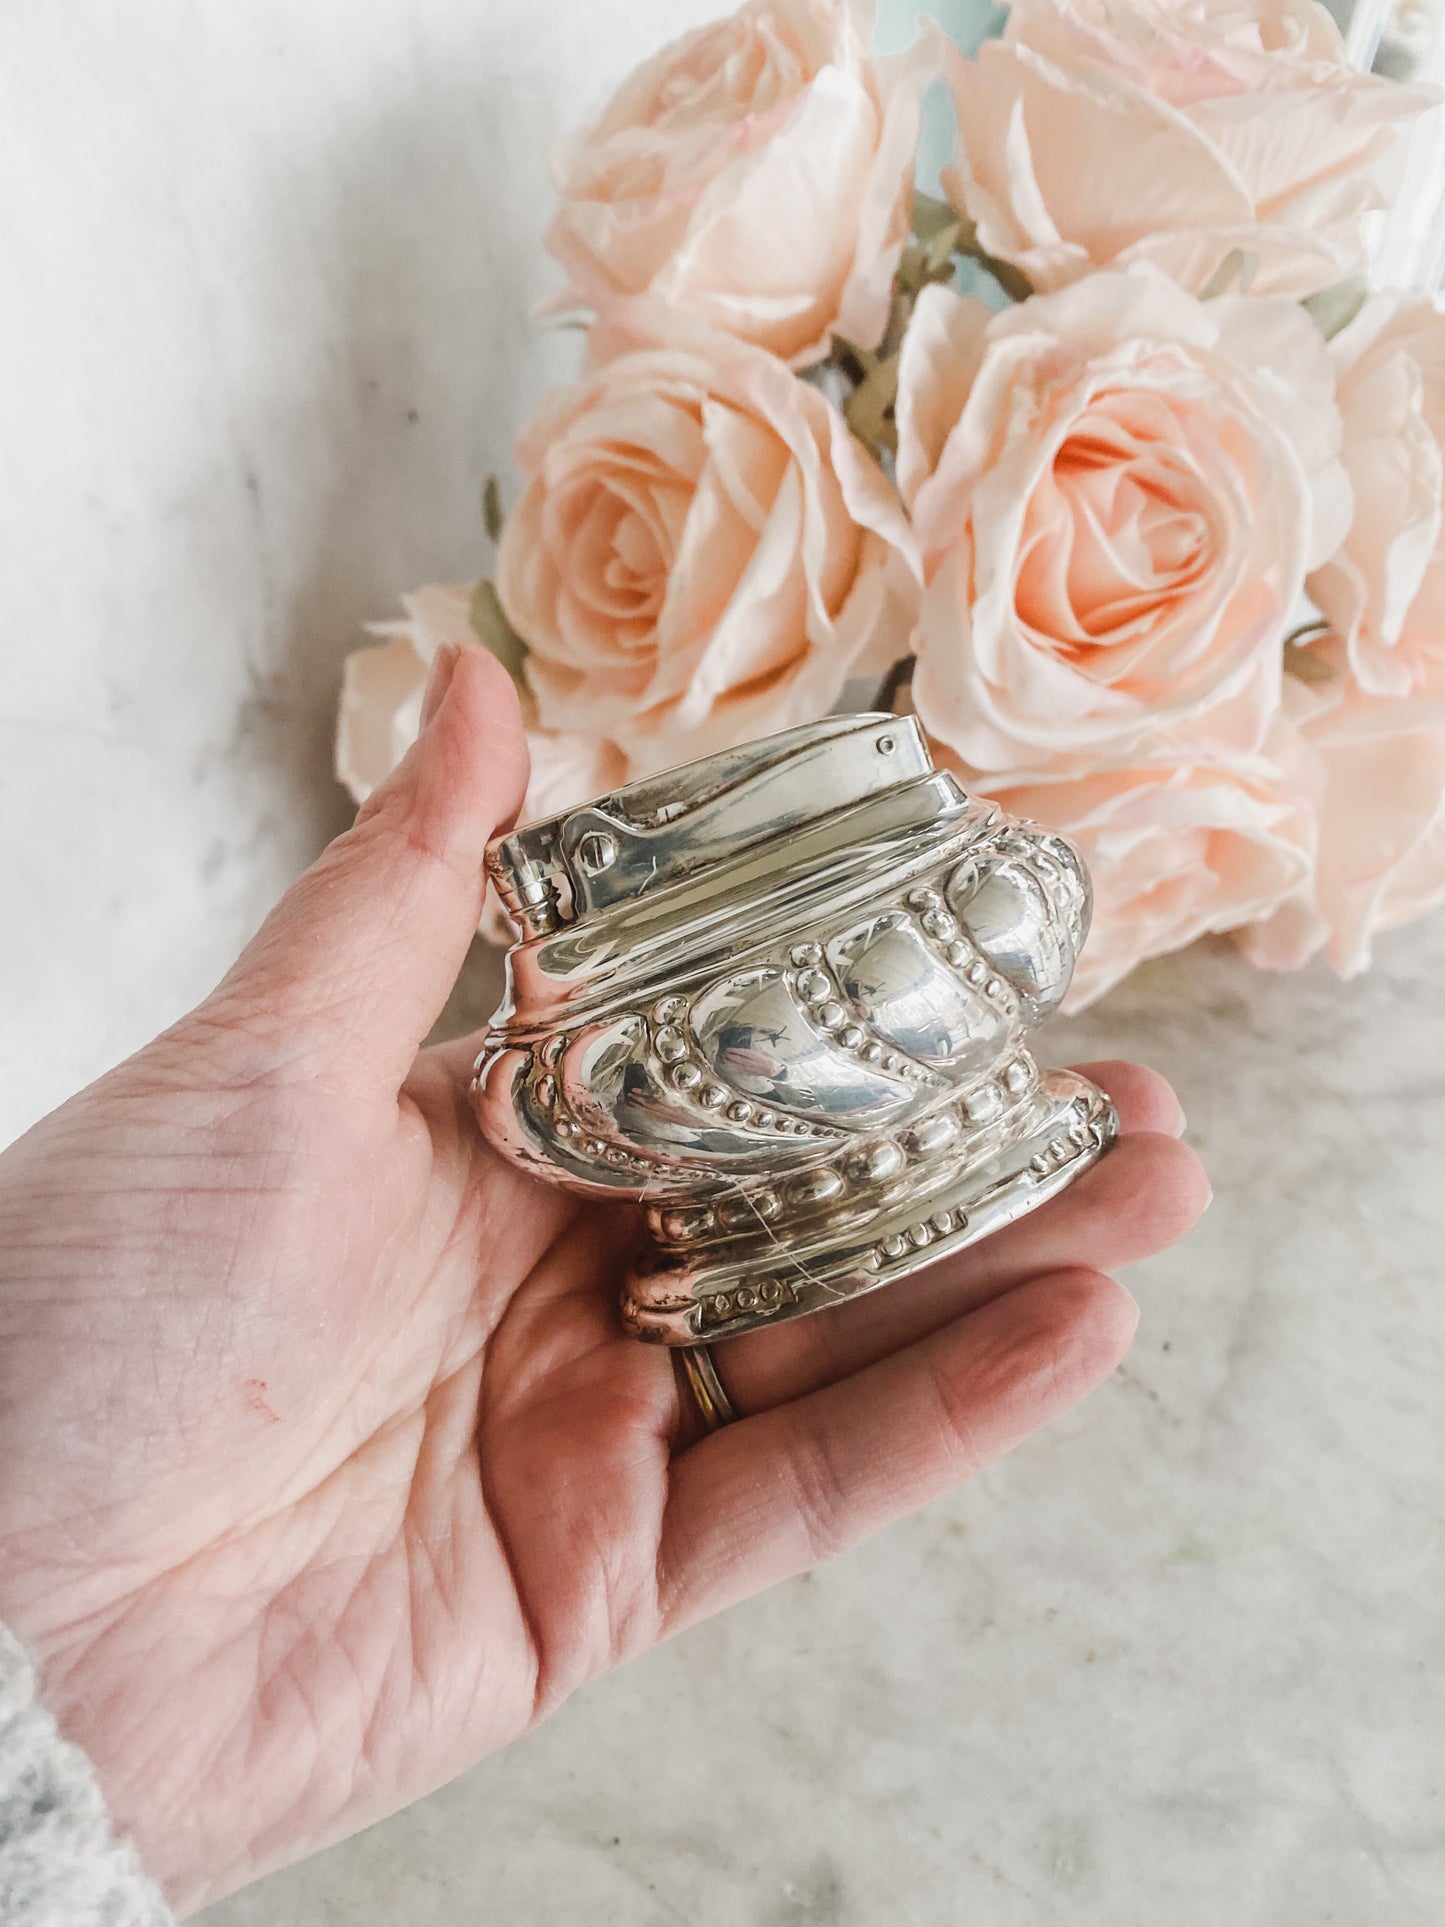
(324, 1465)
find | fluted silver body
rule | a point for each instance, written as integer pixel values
(779, 997)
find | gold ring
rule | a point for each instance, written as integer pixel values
(708, 1391)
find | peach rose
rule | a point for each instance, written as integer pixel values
(703, 553)
(1116, 492)
(1384, 592)
(382, 685)
(757, 174)
(1177, 847)
(381, 694)
(1175, 132)
(1381, 764)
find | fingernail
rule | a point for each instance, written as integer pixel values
(440, 680)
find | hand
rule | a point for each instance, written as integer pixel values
(324, 1466)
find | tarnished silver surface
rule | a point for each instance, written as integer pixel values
(780, 998)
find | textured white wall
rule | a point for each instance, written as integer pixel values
(264, 327)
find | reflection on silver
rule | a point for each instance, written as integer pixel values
(779, 997)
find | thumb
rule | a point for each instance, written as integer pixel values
(352, 968)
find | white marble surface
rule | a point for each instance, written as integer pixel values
(1180, 1661)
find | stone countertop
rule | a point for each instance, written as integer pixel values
(1182, 1658)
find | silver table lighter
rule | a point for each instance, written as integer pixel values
(779, 997)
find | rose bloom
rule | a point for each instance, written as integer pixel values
(1176, 132)
(1381, 775)
(1384, 592)
(1116, 492)
(703, 553)
(1178, 846)
(381, 696)
(382, 685)
(757, 174)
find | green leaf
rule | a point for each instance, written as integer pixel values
(942, 232)
(895, 685)
(492, 629)
(1333, 309)
(1015, 284)
(868, 411)
(921, 265)
(1304, 666)
(931, 216)
(939, 252)
(1240, 265)
(492, 514)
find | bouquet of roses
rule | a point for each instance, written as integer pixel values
(1108, 460)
